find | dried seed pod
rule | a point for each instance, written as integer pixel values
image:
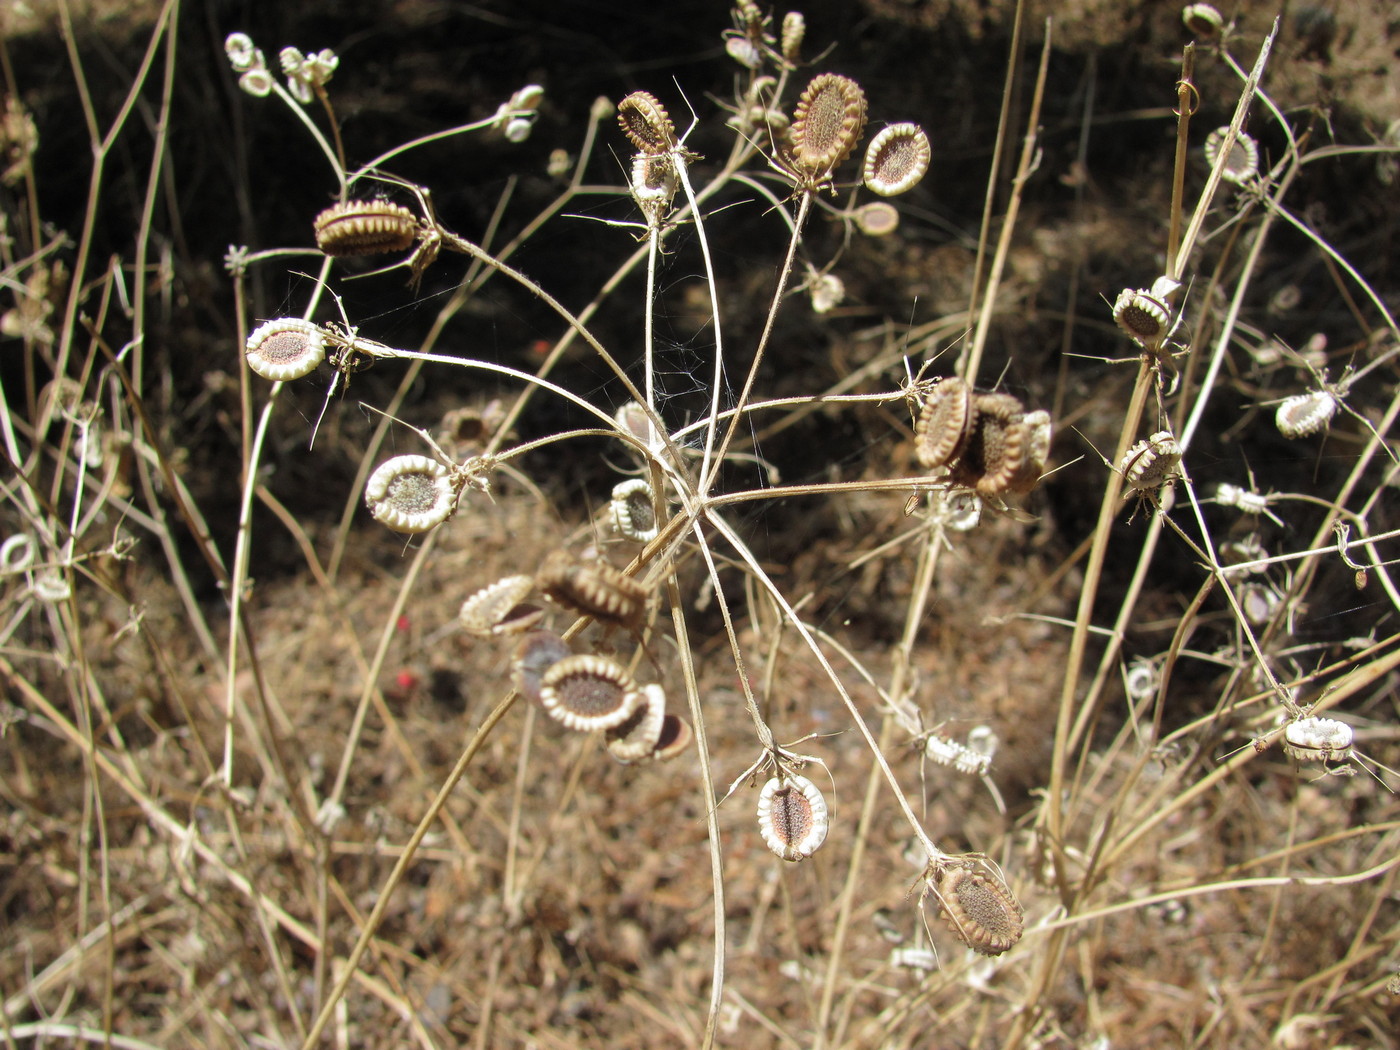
(1151, 462)
(948, 752)
(646, 123)
(1305, 414)
(997, 449)
(500, 608)
(365, 228)
(632, 512)
(827, 292)
(744, 51)
(1037, 451)
(636, 738)
(792, 817)
(794, 29)
(1141, 680)
(1318, 739)
(978, 907)
(537, 652)
(410, 493)
(826, 126)
(876, 219)
(595, 589)
(1259, 601)
(676, 736)
(287, 348)
(632, 418)
(1202, 19)
(896, 159)
(945, 423)
(587, 692)
(653, 185)
(1242, 163)
(1143, 316)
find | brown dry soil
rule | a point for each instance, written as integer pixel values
(565, 900)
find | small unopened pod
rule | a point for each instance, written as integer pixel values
(286, 348)
(410, 494)
(635, 739)
(983, 913)
(792, 817)
(588, 692)
(501, 608)
(1317, 739)
(365, 228)
(896, 159)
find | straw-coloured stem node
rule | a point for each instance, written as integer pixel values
(365, 228)
(896, 159)
(410, 494)
(286, 348)
(792, 817)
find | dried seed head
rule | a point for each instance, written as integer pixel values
(1202, 19)
(979, 909)
(945, 423)
(1143, 316)
(896, 159)
(595, 589)
(410, 493)
(632, 418)
(632, 512)
(287, 348)
(635, 739)
(827, 291)
(1037, 451)
(500, 608)
(1141, 680)
(826, 125)
(1242, 162)
(676, 736)
(1259, 601)
(792, 817)
(1305, 414)
(587, 692)
(997, 448)
(646, 123)
(794, 29)
(365, 228)
(949, 752)
(537, 652)
(1151, 461)
(876, 219)
(744, 51)
(1318, 739)
(653, 185)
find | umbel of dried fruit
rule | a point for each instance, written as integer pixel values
(287, 348)
(792, 817)
(988, 442)
(826, 126)
(983, 913)
(595, 589)
(1323, 739)
(365, 228)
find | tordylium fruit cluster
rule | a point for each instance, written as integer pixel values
(976, 447)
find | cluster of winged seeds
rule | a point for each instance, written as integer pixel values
(987, 442)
